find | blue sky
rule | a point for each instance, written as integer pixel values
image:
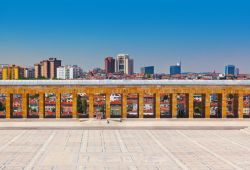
(204, 34)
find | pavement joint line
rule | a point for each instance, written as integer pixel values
(235, 143)
(84, 141)
(174, 158)
(209, 151)
(245, 130)
(12, 140)
(40, 152)
(79, 152)
(102, 141)
(121, 143)
(4, 164)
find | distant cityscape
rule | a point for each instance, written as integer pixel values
(120, 67)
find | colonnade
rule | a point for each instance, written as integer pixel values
(157, 91)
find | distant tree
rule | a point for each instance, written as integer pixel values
(2, 108)
(41, 78)
(165, 97)
(230, 96)
(84, 105)
(34, 96)
(53, 109)
(79, 104)
(197, 110)
(102, 109)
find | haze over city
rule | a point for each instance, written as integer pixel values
(205, 35)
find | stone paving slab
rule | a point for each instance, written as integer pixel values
(124, 149)
(145, 124)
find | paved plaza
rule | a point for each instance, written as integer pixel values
(124, 149)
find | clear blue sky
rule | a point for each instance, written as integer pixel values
(205, 34)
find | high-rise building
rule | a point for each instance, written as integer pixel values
(29, 73)
(237, 71)
(109, 64)
(69, 72)
(1, 69)
(147, 70)
(12, 72)
(175, 69)
(230, 70)
(47, 68)
(38, 70)
(124, 64)
(54, 64)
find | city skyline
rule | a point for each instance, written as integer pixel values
(38, 67)
(124, 84)
(211, 33)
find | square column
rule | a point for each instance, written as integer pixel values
(240, 105)
(8, 105)
(224, 105)
(58, 105)
(174, 105)
(91, 106)
(107, 105)
(157, 105)
(141, 105)
(207, 106)
(25, 103)
(124, 105)
(191, 105)
(74, 105)
(41, 105)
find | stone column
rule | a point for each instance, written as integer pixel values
(8, 105)
(203, 102)
(107, 105)
(58, 105)
(25, 105)
(224, 105)
(141, 105)
(240, 105)
(91, 105)
(74, 105)
(124, 105)
(174, 105)
(157, 105)
(41, 105)
(207, 105)
(190, 105)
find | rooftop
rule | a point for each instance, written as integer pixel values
(123, 82)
